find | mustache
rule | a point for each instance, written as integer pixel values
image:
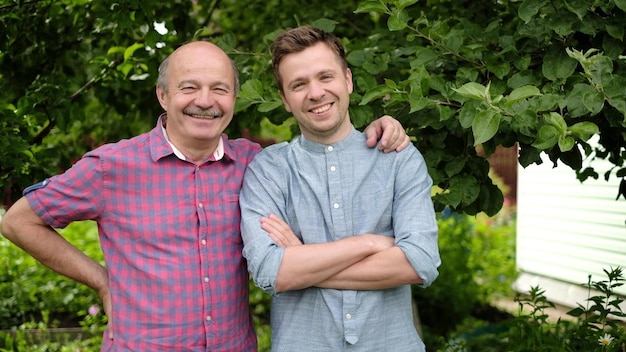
(204, 112)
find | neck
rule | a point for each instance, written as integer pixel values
(194, 151)
(329, 137)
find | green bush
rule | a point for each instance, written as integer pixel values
(478, 266)
(27, 288)
(593, 325)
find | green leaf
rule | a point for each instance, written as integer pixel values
(619, 103)
(360, 115)
(465, 74)
(579, 8)
(452, 198)
(587, 173)
(601, 69)
(269, 106)
(359, 57)
(615, 31)
(500, 69)
(594, 101)
(621, 4)
(125, 68)
(472, 90)
(371, 6)
(566, 143)
(128, 53)
(467, 186)
(455, 166)
(453, 40)
(252, 89)
(584, 130)
(491, 199)
(468, 112)
(445, 112)
(572, 158)
(397, 20)
(574, 101)
(402, 4)
(522, 93)
(417, 103)
(485, 125)
(325, 24)
(204, 32)
(115, 50)
(557, 64)
(391, 83)
(375, 93)
(555, 119)
(547, 137)
(423, 56)
(529, 8)
(548, 102)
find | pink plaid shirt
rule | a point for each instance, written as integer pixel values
(169, 231)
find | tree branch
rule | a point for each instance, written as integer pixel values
(6, 7)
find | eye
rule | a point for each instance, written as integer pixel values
(221, 90)
(188, 89)
(297, 85)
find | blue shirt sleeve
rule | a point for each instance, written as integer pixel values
(414, 221)
(259, 197)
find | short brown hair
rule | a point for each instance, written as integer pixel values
(297, 39)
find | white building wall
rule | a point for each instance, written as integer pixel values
(567, 231)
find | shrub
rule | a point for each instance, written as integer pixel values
(27, 288)
(593, 328)
(478, 266)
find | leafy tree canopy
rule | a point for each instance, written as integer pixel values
(462, 76)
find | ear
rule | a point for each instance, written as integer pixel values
(161, 95)
(349, 81)
(282, 97)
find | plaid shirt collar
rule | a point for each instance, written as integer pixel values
(160, 146)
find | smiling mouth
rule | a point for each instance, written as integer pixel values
(208, 114)
(321, 109)
(205, 117)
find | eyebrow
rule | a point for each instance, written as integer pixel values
(187, 81)
(317, 74)
(197, 83)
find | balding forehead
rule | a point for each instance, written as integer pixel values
(200, 46)
(199, 53)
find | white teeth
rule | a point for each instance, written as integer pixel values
(321, 109)
(203, 117)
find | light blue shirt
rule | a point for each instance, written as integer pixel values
(325, 193)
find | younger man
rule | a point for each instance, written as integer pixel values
(359, 225)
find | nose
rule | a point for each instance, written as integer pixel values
(205, 98)
(316, 90)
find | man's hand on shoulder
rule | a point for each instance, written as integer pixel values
(388, 133)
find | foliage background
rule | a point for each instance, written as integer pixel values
(542, 75)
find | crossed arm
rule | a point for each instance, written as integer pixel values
(360, 262)
(363, 262)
